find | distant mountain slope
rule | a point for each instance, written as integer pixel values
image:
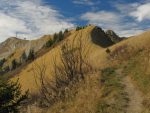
(10, 45)
(13, 44)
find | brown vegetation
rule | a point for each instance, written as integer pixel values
(68, 73)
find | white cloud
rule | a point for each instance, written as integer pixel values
(138, 10)
(112, 20)
(142, 12)
(9, 26)
(30, 19)
(100, 17)
(121, 18)
(85, 2)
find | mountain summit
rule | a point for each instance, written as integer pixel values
(10, 45)
(113, 36)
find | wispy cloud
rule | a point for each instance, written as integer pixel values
(126, 19)
(142, 12)
(114, 21)
(137, 10)
(30, 18)
(100, 17)
(85, 2)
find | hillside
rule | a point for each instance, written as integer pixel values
(13, 44)
(10, 45)
(89, 36)
(131, 57)
(74, 56)
(117, 80)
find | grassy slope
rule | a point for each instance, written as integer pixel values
(26, 76)
(98, 57)
(114, 97)
(35, 44)
(137, 67)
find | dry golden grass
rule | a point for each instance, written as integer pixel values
(138, 69)
(26, 76)
(85, 101)
(137, 66)
(97, 56)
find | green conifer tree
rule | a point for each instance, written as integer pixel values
(31, 55)
(10, 96)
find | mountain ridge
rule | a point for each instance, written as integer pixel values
(106, 54)
(11, 44)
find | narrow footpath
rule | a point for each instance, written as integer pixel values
(134, 95)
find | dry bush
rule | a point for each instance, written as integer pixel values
(71, 69)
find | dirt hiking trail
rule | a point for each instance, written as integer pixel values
(134, 95)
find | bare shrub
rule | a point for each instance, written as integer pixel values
(71, 69)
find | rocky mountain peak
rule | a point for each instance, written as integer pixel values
(113, 36)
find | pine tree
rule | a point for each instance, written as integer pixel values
(31, 55)
(66, 31)
(61, 35)
(55, 39)
(23, 57)
(13, 64)
(10, 96)
(49, 43)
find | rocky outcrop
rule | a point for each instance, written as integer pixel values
(100, 38)
(113, 36)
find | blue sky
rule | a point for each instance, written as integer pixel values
(34, 18)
